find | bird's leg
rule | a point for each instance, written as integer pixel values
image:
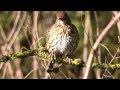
(68, 59)
(50, 63)
(50, 67)
(53, 66)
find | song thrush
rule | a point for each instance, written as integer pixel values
(62, 38)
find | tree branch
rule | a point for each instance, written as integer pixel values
(43, 53)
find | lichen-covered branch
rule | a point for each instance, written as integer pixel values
(106, 66)
(28, 53)
(43, 53)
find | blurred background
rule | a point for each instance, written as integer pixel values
(27, 30)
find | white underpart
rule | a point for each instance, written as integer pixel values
(63, 44)
(60, 22)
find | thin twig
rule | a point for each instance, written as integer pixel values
(14, 25)
(111, 60)
(63, 74)
(107, 50)
(30, 72)
(109, 76)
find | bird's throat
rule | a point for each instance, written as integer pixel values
(62, 23)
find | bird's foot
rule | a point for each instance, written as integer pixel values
(69, 59)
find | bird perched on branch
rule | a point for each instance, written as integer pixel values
(62, 38)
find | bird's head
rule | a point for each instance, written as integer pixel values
(63, 17)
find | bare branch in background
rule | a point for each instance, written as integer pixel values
(118, 22)
(9, 71)
(113, 58)
(34, 31)
(16, 33)
(30, 72)
(14, 25)
(85, 49)
(107, 50)
(117, 51)
(96, 44)
(18, 71)
(3, 35)
(86, 38)
(98, 72)
(34, 42)
(9, 45)
(98, 32)
(27, 28)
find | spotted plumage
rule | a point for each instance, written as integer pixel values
(62, 38)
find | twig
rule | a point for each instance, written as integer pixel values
(63, 74)
(107, 50)
(30, 72)
(14, 26)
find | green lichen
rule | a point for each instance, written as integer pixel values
(78, 62)
(25, 53)
(118, 66)
(113, 66)
(106, 66)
